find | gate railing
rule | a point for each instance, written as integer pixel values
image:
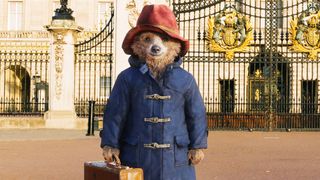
(93, 70)
(268, 87)
(24, 81)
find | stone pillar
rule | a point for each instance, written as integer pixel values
(121, 15)
(61, 112)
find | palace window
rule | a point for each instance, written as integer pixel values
(105, 86)
(15, 15)
(227, 95)
(103, 12)
(309, 96)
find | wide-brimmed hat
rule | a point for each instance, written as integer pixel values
(156, 18)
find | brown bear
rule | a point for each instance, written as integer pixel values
(155, 117)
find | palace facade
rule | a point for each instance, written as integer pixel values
(25, 55)
(256, 61)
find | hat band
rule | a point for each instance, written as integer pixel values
(164, 28)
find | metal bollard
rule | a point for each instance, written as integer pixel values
(90, 131)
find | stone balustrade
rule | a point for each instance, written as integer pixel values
(24, 35)
(36, 35)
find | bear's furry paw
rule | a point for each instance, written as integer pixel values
(195, 156)
(111, 154)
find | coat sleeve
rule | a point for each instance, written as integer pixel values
(115, 113)
(196, 117)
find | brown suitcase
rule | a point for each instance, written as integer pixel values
(99, 170)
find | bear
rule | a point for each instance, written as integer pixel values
(155, 117)
(156, 50)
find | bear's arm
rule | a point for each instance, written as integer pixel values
(196, 117)
(115, 113)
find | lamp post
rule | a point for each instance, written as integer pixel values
(37, 80)
(63, 12)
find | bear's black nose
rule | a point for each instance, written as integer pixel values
(155, 49)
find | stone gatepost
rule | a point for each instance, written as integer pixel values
(63, 30)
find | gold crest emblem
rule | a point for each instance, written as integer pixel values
(229, 32)
(305, 32)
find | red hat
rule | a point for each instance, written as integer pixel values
(155, 18)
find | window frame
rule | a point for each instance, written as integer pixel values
(104, 86)
(15, 25)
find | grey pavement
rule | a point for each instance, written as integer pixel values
(231, 155)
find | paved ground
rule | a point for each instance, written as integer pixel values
(60, 154)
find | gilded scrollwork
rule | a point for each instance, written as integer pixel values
(258, 73)
(305, 32)
(229, 32)
(59, 42)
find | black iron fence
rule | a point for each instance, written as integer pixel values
(93, 70)
(271, 84)
(24, 82)
(24, 74)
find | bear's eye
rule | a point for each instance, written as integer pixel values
(165, 38)
(147, 39)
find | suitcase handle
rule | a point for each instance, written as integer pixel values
(115, 165)
(116, 160)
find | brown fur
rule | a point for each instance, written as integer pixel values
(156, 64)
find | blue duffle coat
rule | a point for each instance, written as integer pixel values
(142, 111)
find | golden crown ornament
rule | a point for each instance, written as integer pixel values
(229, 32)
(305, 32)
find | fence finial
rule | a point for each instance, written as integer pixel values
(64, 2)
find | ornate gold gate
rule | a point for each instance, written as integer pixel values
(267, 49)
(93, 70)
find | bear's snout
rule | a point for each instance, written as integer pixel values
(155, 49)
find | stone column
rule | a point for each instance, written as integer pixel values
(61, 112)
(121, 15)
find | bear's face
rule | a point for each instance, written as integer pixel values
(153, 44)
(157, 50)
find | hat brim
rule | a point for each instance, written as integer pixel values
(128, 40)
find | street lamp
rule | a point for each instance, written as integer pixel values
(63, 13)
(37, 80)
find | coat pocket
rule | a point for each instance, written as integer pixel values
(129, 151)
(181, 150)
